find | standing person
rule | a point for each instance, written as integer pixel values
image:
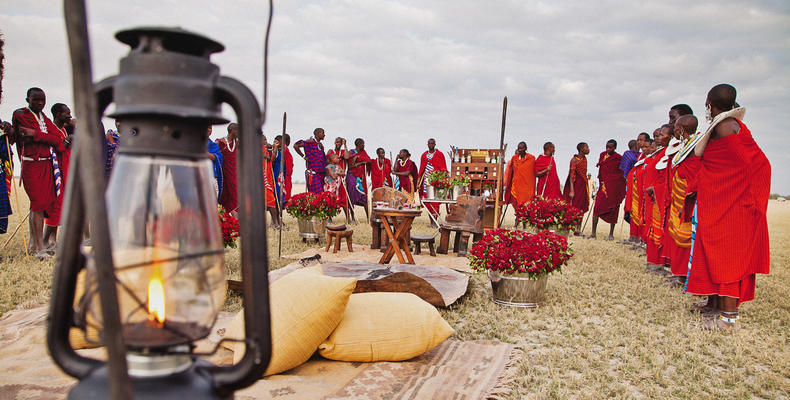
(733, 186)
(341, 151)
(630, 156)
(576, 188)
(548, 185)
(633, 211)
(611, 189)
(315, 160)
(6, 170)
(356, 179)
(284, 186)
(654, 201)
(683, 199)
(229, 196)
(333, 181)
(406, 171)
(381, 170)
(520, 177)
(268, 185)
(112, 141)
(37, 141)
(61, 117)
(215, 155)
(430, 161)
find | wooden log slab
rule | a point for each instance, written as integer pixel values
(437, 285)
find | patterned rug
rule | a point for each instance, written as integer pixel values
(453, 370)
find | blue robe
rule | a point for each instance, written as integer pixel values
(213, 148)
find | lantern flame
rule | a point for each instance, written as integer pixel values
(156, 298)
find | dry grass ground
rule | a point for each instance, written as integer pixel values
(607, 329)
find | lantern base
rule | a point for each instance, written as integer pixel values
(191, 384)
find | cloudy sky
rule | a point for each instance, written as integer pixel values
(398, 72)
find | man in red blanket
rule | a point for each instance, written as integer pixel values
(229, 198)
(37, 141)
(655, 195)
(430, 161)
(684, 173)
(731, 243)
(546, 170)
(632, 190)
(575, 191)
(611, 190)
(61, 117)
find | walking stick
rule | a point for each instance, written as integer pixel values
(16, 196)
(546, 181)
(348, 199)
(497, 222)
(15, 231)
(365, 188)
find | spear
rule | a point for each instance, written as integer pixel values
(499, 174)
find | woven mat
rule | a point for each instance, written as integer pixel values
(365, 253)
(453, 370)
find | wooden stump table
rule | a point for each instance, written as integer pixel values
(398, 233)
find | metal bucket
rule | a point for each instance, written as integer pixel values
(457, 191)
(430, 192)
(312, 228)
(517, 290)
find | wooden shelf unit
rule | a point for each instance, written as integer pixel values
(480, 171)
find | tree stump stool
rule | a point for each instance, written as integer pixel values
(337, 235)
(419, 239)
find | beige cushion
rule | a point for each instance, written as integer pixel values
(385, 327)
(306, 306)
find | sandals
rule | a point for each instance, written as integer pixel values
(725, 322)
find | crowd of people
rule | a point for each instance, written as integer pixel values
(696, 203)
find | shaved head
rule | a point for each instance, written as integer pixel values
(632, 144)
(722, 97)
(687, 125)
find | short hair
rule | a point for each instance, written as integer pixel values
(34, 89)
(57, 108)
(407, 152)
(612, 141)
(666, 126)
(286, 139)
(722, 96)
(316, 130)
(231, 125)
(649, 140)
(278, 138)
(358, 140)
(431, 139)
(520, 143)
(380, 148)
(632, 144)
(647, 135)
(580, 146)
(547, 144)
(682, 109)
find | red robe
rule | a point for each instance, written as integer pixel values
(342, 164)
(437, 163)
(520, 180)
(731, 244)
(680, 210)
(649, 207)
(64, 160)
(548, 185)
(363, 169)
(611, 190)
(229, 198)
(37, 174)
(663, 190)
(289, 170)
(577, 177)
(268, 180)
(380, 173)
(409, 181)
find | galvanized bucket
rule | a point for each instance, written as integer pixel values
(517, 290)
(313, 228)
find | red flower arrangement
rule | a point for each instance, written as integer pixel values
(230, 227)
(439, 179)
(489, 185)
(546, 213)
(512, 251)
(309, 205)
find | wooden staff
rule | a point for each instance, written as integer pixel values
(16, 198)
(280, 186)
(15, 231)
(501, 168)
(546, 181)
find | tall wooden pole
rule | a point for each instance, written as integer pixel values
(281, 194)
(500, 160)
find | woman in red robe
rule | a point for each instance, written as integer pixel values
(548, 185)
(381, 171)
(229, 198)
(406, 171)
(731, 244)
(611, 190)
(576, 189)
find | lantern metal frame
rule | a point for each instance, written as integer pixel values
(85, 201)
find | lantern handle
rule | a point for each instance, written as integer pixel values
(70, 259)
(254, 257)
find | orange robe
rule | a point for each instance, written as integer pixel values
(520, 179)
(731, 244)
(680, 211)
(577, 178)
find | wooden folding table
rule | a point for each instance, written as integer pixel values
(397, 232)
